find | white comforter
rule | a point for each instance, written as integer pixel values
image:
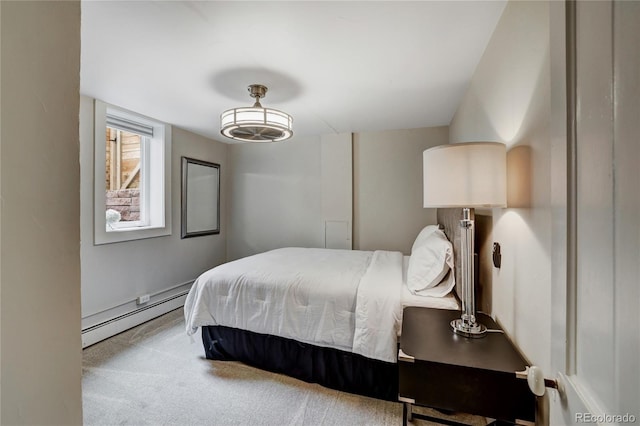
(343, 299)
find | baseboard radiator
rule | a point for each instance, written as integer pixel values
(113, 326)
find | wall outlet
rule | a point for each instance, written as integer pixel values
(143, 299)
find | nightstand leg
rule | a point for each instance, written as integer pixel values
(407, 413)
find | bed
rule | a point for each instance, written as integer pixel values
(325, 316)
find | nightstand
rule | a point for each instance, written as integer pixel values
(445, 371)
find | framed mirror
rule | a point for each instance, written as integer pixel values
(200, 198)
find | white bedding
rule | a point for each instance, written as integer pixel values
(344, 299)
(378, 308)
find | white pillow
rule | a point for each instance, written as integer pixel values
(423, 235)
(442, 289)
(429, 265)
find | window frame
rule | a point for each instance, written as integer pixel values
(157, 178)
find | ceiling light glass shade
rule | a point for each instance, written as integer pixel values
(256, 124)
(470, 175)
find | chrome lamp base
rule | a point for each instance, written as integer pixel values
(468, 330)
(466, 325)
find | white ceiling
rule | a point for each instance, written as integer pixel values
(334, 66)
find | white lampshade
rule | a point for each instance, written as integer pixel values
(465, 175)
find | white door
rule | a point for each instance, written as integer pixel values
(596, 272)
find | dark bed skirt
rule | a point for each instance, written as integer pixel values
(329, 367)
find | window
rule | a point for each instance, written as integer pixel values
(124, 166)
(132, 192)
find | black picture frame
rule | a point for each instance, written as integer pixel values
(200, 198)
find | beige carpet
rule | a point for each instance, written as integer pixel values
(154, 375)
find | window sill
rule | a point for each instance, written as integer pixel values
(130, 234)
(133, 228)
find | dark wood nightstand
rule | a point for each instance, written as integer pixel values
(445, 371)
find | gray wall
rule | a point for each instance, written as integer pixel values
(113, 275)
(388, 212)
(40, 256)
(282, 193)
(275, 196)
(508, 101)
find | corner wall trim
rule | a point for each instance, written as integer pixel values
(104, 330)
(572, 186)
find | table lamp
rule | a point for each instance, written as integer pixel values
(466, 175)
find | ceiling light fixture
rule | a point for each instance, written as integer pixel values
(256, 124)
